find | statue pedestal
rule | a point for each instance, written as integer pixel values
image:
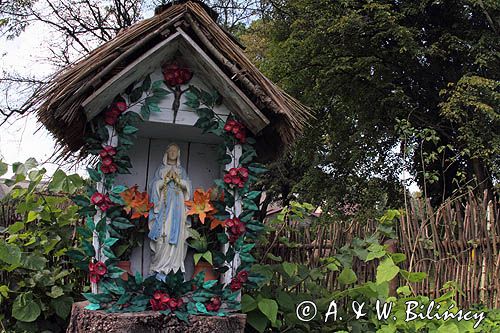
(87, 321)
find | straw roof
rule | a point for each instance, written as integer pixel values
(59, 103)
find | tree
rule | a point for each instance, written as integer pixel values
(374, 70)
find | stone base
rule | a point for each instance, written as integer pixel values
(87, 321)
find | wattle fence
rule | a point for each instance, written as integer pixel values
(459, 241)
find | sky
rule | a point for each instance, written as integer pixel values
(22, 137)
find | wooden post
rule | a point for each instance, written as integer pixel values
(235, 212)
(112, 141)
(392, 248)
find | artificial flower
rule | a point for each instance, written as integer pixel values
(236, 129)
(200, 205)
(235, 228)
(236, 177)
(238, 281)
(136, 203)
(100, 268)
(94, 277)
(162, 301)
(213, 305)
(96, 271)
(175, 75)
(97, 198)
(107, 151)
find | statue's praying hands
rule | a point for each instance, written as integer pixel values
(174, 176)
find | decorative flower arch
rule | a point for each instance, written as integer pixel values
(110, 209)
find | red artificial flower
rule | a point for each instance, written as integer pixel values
(213, 305)
(156, 305)
(111, 116)
(91, 267)
(236, 177)
(100, 268)
(175, 75)
(172, 304)
(235, 285)
(238, 281)
(104, 207)
(165, 298)
(240, 136)
(112, 168)
(94, 277)
(227, 178)
(162, 301)
(107, 151)
(236, 129)
(121, 106)
(105, 204)
(243, 172)
(115, 110)
(242, 276)
(97, 198)
(107, 161)
(236, 228)
(158, 294)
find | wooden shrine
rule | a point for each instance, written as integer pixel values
(175, 80)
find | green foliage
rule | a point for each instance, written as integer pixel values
(40, 285)
(285, 285)
(364, 65)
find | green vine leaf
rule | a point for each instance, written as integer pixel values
(146, 84)
(209, 284)
(145, 112)
(94, 174)
(386, 271)
(93, 307)
(347, 276)
(10, 254)
(135, 95)
(25, 308)
(269, 308)
(130, 129)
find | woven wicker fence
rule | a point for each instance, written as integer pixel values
(459, 241)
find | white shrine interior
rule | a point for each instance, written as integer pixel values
(198, 155)
(198, 150)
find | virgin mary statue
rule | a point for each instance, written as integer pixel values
(168, 227)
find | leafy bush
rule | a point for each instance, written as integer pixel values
(287, 284)
(38, 285)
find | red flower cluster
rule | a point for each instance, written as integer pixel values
(236, 177)
(176, 75)
(97, 270)
(101, 200)
(238, 280)
(237, 129)
(214, 304)
(115, 110)
(235, 228)
(108, 165)
(161, 301)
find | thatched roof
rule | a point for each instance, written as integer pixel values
(59, 103)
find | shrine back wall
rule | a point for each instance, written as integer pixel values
(198, 158)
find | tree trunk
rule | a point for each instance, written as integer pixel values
(482, 178)
(87, 321)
